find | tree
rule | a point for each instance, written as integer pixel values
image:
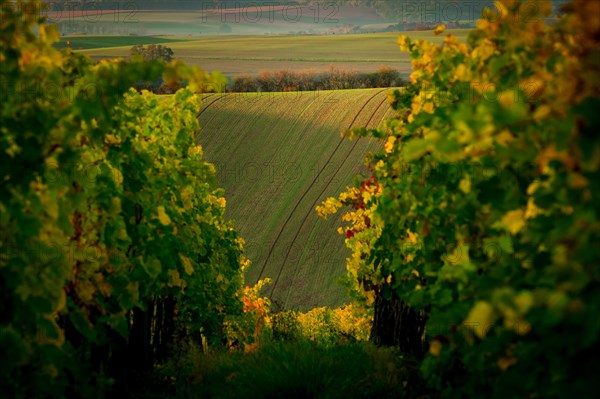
(113, 243)
(152, 52)
(482, 210)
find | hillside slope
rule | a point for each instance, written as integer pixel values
(278, 155)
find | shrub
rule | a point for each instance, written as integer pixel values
(324, 326)
(243, 84)
(332, 79)
(476, 236)
(152, 52)
(113, 241)
(285, 326)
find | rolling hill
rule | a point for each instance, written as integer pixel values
(278, 155)
(234, 55)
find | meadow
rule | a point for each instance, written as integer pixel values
(235, 54)
(277, 156)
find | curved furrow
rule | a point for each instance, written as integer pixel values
(202, 111)
(271, 249)
(338, 169)
(308, 190)
(208, 106)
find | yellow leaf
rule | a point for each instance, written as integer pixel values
(542, 113)
(389, 145)
(439, 29)
(504, 137)
(506, 361)
(187, 197)
(435, 347)
(117, 176)
(532, 210)
(187, 264)
(163, 218)
(513, 221)
(533, 187)
(112, 139)
(61, 302)
(428, 107)
(524, 301)
(482, 24)
(412, 237)
(465, 185)
(370, 297)
(415, 76)
(417, 105)
(462, 73)
(523, 327)
(115, 206)
(176, 280)
(480, 318)
(501, 9)
(50, 206)
(485, 49)
(532, 87)
(507, 98)
(403, 42)
(367, 196)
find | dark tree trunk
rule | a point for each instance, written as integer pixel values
(139, 347)
(168, 327)
(165, 326)
(159, 333)
(118, 363)
(397, 324)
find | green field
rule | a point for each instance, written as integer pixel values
(278, 155)
(234, 55)
(84, 42)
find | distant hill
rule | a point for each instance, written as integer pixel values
(278, 155)
(205, 17)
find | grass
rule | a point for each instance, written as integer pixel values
(296, 370)
(234, 55)
(278, 155)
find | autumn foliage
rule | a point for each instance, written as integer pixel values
(113, 244)
(487, 217)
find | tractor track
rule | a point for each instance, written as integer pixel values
(307, 191)
(219, 96)
(323, 191)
